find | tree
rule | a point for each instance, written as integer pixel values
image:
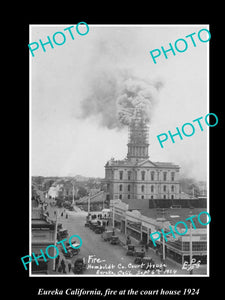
(82, 192)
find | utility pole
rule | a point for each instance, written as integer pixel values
(162, 220)
(55, 237)
(191, 270)
(89, 199)
(73, 192)
(113, 214)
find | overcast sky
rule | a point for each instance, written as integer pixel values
(66, 142)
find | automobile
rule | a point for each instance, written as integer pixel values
(148, 263)
(107, 235)
(93, 225)
(79, 265)
(139, 254)
(87, 224)
(114, 240)
(130, 250)
(71, 251)
(99, 229)
(62, 233)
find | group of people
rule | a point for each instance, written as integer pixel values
(60, 266)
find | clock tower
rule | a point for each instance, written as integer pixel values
(138, 139)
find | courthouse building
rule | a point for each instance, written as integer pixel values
(136, 176)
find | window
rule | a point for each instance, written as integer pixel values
(142, 188)
(164, 176)
(172, 176)
(164, 196)
(128, 196)
(121, 175)
(152, 176)
(172, 188)
(128, 187)
(164, 188)
(129, 175)
(152, 197)
(120, 197)
(107, 188)
(152, 188)
(142, 175)
(121, 187)
(142, 197)
(172, 196)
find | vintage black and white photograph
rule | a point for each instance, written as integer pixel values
(119, 150)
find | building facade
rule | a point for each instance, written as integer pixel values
(137, 177)
(139, 227)
(43, 233)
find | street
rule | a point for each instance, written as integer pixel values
(101, 257)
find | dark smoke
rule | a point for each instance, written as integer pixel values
(115, 97)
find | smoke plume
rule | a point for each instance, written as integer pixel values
(115, 97)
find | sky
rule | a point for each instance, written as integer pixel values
(72, 91)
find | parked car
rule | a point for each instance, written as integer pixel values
(130, 250)
(62, 233)
(114, 240)
(70, 250)
(107, 235)
(99, 229)
(79, 265)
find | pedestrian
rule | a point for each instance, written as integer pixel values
(60, 269)
(63, 265)
(146, 247)
(69, 266)
(57, 262)
(128, 240)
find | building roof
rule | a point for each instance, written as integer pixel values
(174, 215)
(142, 163)
(98, 197)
